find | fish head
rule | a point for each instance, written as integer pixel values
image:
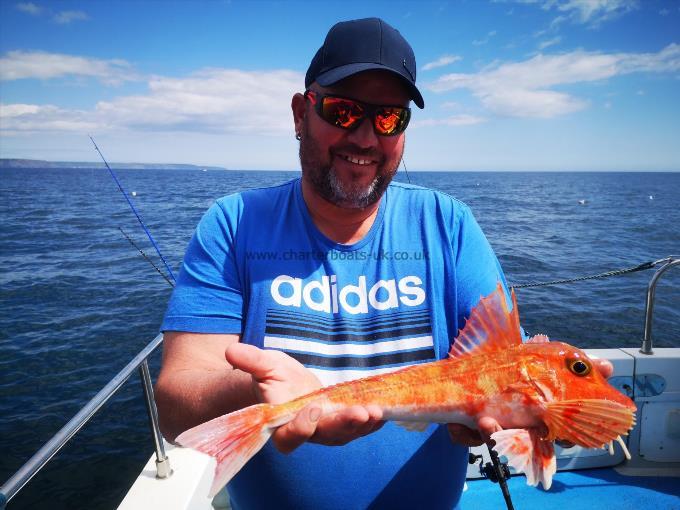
(573, 400)
(567, 373)
(581, 406)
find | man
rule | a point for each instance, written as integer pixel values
(337, 275)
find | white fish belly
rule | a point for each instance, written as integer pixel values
(413, 415)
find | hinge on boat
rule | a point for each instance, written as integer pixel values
(623, 383)
(644, 385)
(649, 385)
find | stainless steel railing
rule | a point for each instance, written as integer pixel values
(49, 449)
(667, 263)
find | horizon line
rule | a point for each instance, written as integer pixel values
(55, 164)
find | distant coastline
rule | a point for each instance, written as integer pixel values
(37, 163)
(18, 163)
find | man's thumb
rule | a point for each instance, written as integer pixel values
(249, 359)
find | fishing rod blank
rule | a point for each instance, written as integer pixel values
(134, 210)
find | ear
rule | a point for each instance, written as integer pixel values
(299, 108)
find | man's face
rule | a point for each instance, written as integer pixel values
(352, 169)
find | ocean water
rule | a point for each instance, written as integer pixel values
(78, 301)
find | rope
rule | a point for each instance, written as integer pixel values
(404, 164)
(146, 257)
(639, 267)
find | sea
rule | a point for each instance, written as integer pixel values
(78, 300)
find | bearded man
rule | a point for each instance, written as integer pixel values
(336, 275)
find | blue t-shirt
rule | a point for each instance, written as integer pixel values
(257, 265)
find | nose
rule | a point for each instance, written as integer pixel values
(364, 136)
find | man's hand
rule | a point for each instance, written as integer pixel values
(278, 378)
(488, 425)
(469, 437)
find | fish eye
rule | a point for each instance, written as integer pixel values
(579, 367)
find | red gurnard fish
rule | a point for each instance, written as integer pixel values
(538, 391)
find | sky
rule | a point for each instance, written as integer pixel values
(564, 85)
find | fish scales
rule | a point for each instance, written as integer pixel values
(447, 385)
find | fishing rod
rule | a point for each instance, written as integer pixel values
(134, 210)
(496, 472)
(146, 257)
(405, 169)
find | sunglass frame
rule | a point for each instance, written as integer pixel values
(370, 110)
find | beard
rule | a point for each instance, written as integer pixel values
(319, 172)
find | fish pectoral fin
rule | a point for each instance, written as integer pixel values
(590, 422)
(413, 426)
(527, 452)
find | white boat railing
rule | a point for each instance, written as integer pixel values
(668, 262)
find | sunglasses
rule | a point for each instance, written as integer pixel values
(347, 113)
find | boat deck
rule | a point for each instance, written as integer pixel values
(579, 490)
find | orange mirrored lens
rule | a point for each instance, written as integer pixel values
(388, 120)
(342, 112)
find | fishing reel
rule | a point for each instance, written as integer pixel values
(489, 470)
(496, 471)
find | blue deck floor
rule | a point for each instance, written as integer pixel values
(579, 490)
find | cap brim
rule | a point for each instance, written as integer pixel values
(339, 73)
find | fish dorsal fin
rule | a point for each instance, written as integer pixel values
(528, 453)
(539, 339)
(491, 326)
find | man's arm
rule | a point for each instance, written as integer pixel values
(196, 383)
(204, 376)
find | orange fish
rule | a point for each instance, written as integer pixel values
(527, 387)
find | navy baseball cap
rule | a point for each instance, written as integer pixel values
(360, 45)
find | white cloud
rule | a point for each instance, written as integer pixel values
(65, 17)
(442, 61)
(591, 12)
(450, 105)
(17, 65)
(667, 60)
(29, 8)
(16, 118)
(209, 101)
(595, 12)
(61, 17)
(523, 89)
(550, 42)
(215, 100)
(479, 42)
(454, 120)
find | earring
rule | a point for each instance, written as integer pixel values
(298, 136)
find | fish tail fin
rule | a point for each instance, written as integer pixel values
(232, 439)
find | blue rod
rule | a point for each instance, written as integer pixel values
(148, 234)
